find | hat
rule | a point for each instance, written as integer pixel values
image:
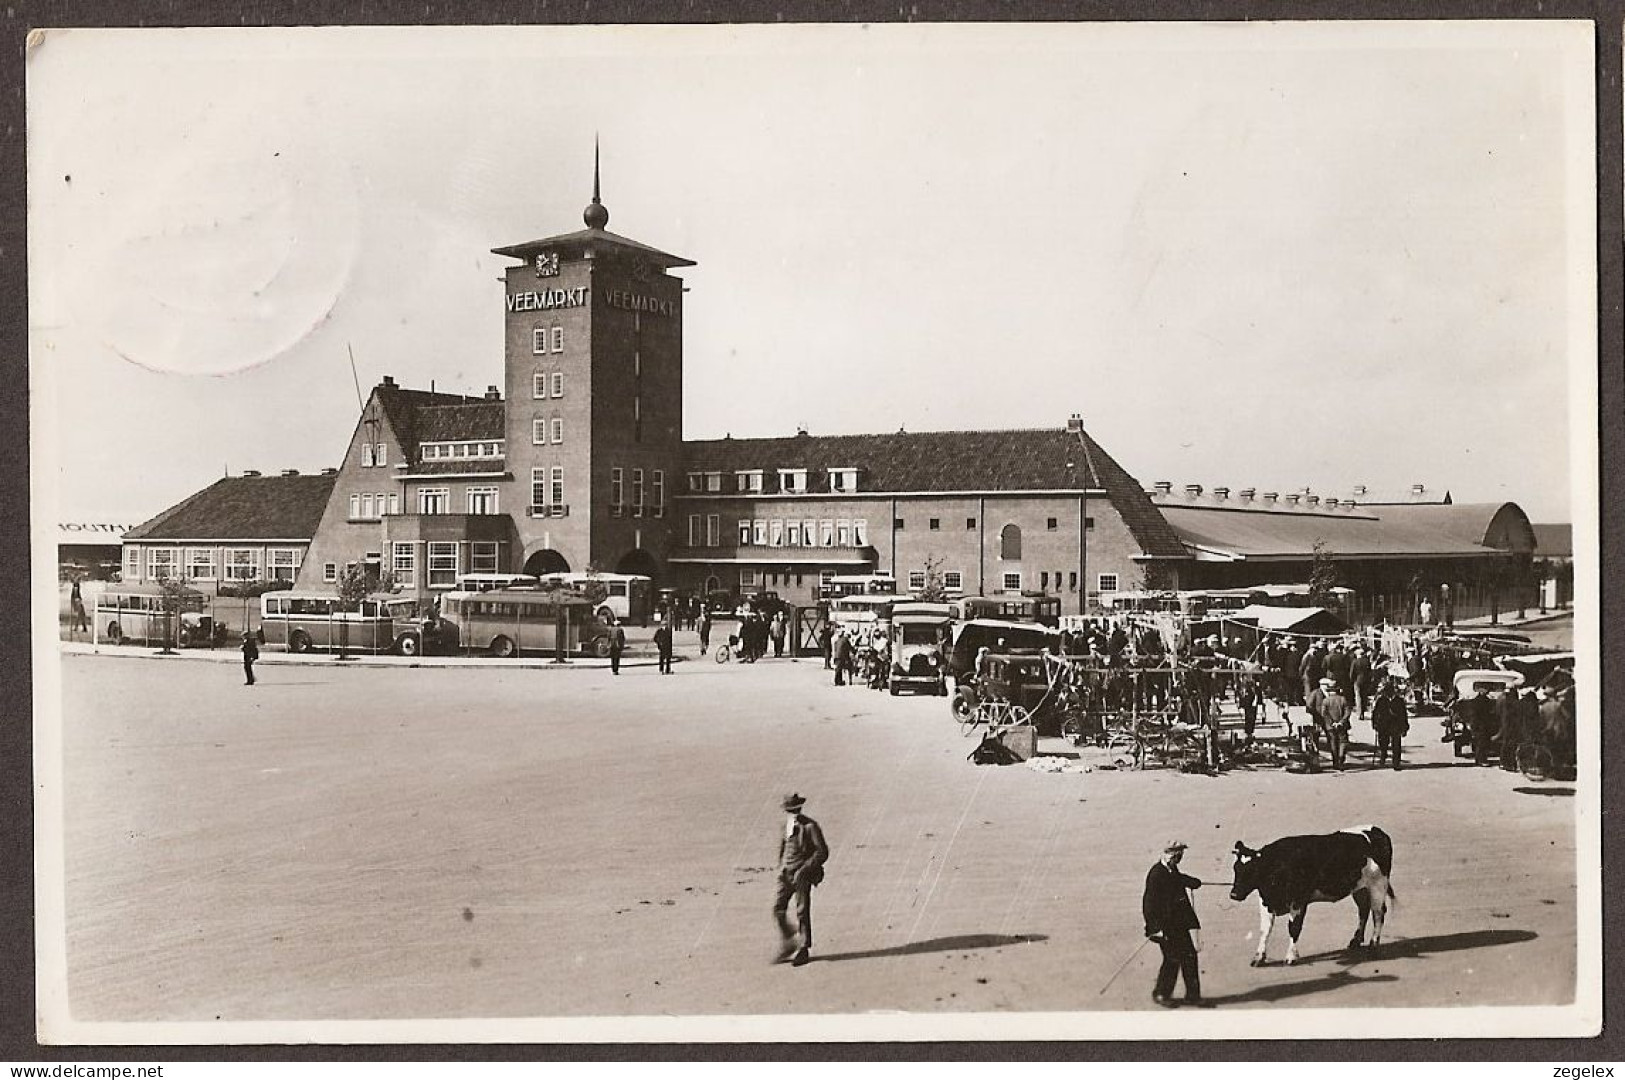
(1173, 846)
(793, 802)
(1328, 682)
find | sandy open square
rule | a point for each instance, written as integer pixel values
(372, 842)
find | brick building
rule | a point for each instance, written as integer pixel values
(576, 459)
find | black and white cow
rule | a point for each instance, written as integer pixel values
(1297, 871)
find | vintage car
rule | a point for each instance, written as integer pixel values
(1468, 688)
(919, 634)
(1016, 664)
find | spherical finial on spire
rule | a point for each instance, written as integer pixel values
(595, 215)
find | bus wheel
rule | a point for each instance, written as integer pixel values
(115, 634)
(298, 641)
(503, 647)
(604, 614)
(963, 704)
(408, 645)
(600, 648)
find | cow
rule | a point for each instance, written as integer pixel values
(1296, 871)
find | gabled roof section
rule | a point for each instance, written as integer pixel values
(1554, 540)
(455, 423)
(1376, 532)
(244, 508)
(591, 241)
(402, 409)
(1030, 459)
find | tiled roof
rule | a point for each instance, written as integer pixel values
(458, 466)
(449, 423)
(1034, 459)
(1554, 540)
(1374, 532)
(402, 408)
(583, 239)
(244, 508)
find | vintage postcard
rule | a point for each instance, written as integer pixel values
(782, 533)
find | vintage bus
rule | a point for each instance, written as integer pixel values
(300, 622)
(146, 614)
(507, 622)
(839, 585)
(861, 614)
(487, 582)
(630, 599)
(1027, 607)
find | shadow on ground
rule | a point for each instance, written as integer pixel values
(942, 944)
(1551, 792)
(1412, 948)
(1337, 980)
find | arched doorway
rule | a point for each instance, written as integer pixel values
(639, 561)
(546, 561)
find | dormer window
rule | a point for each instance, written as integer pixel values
(749, 481)
(793, 481)
(843, 480)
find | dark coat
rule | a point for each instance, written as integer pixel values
(251, 648)
(804, 850)
(1388, 715)
(663, 639)
(1166, 905)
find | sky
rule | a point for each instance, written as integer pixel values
(1266, 255)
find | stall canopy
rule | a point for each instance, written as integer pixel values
(1292, 620)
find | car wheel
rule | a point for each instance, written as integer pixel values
(604, 614)
(185, 641)
(299, 642)
(503, 648)
(963, 704)
(892, 688)
(115, 633)
(408, 645)
(600, 648)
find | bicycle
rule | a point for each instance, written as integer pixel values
(996, 713)
(1535, 761)
(725, 652)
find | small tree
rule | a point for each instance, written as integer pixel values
(1322, 575)
(354, 584)
(592, 590)
(174, 589)
(935, 591)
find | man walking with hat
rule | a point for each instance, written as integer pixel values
(1169, 919)
(802, 853)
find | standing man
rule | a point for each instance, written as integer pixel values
(1389, 719)
(617, 645)
(778, 634)
(663, 645)
(251, 653)
(1169, 919)
(825, 636)
(705, 630)
(841, 651)
(76, 601)
(1335, 711)
(802, 854)
(1360, 675)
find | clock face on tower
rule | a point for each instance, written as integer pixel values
(547, 264)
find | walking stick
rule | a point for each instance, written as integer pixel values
(1143, 943)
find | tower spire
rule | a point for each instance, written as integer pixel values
(596, 216)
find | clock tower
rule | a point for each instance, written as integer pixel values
(594, 388)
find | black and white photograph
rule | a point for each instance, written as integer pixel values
(815, 533)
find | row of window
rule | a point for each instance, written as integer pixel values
(546, 487)
(440, 562)
(778, 532)
(546, 339)
(540, 426)
(451, 451)
(477, 500)
(656, 491)
(542, 380)
(790, 481)
(374, 454)
(210, 564)
(952, 580)
(1012, 531)
(370, 506)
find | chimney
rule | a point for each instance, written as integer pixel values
(801, 432)
(1312, 500)
(1247, 493)
(1291, 498)
(1193, 490)
(389, 380)
(330, 471)
(1074, 424)
(290, 472)
(1359, 490)
(1418, 489)
(251, 472)
(1221, 493)
(493, 394)
(1270, 496)
(1164, 487)
(1331, 504)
